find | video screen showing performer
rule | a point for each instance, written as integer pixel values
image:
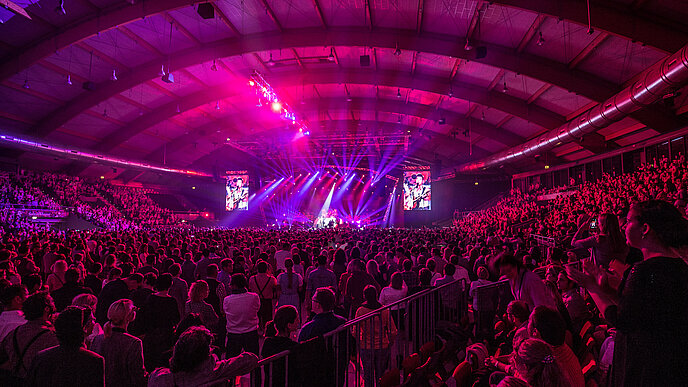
(417, 191)
(236, 193)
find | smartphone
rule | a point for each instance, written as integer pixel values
(593, 224)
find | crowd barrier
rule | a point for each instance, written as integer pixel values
(340, 357)
(544, 241)
(490, 301)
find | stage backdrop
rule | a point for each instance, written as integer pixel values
(417, 190)
(236, 193)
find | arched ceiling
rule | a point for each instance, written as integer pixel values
(426, 96)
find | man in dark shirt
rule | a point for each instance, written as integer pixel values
(111, 292)
(149, 267)
(68, 364)
(63, 296)
(324, 320)
(410, 277)
(92, 281)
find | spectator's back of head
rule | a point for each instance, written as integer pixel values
(425, 277)
(449, 269)
(164, 282)
(191, 350)
(238, 281)
(36, 306)
(547, 324)
(69, 326)
(72, 275)
(325, 297)
(519, 310)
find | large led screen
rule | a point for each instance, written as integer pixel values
(236, 193)
(417, 191)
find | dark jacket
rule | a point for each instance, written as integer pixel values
(66, 367)
(123, 355)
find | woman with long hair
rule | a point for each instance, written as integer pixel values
(123, 352)
(289, 283)
(607, 244)
(650, 308)
(534, 363)
(373, 269)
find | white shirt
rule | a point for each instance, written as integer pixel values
(242, 312)
(389, 295)
(9, 320)
(280, 257)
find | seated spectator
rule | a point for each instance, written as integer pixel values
(34, 336)
(546, 324)
(193, 364)
(574, 302)
(534, 362)
(68, 364)
(123, 353)
(71, 288)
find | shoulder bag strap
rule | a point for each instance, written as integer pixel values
(20, 360)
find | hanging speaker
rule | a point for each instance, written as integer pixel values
(206, 11)
(365, 60)
(480, 52)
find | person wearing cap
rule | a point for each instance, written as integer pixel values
(325, 320)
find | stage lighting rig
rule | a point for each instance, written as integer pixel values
(267, 96)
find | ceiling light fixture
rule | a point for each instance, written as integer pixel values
(270, 61)
(213, 67)
(398, 93)
(114, 75)
(540, 40)
(397, 51)
(69, 79)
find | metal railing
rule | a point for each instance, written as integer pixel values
(544, 241)
(490, 301)
(360, 351)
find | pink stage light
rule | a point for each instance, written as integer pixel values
(276, 106)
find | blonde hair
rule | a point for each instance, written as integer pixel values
(86, 300)
(118, 313)
(198, 291)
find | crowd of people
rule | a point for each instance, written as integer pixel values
(607, 304)
(104, 204)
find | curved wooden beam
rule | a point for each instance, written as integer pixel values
(539, 68)
(500, 101)
(616, 20)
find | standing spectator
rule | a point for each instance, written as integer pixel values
(410, 277)
(198, 292)
(289, 284)
(651, 314)
(92, 281)
(286, 322)
(324, 320)
(525, 285)
(373, 269)
(188, 269)
(241, 308)
(159, 316)
(12, 316)
(202, 265)
(359, 279)
(281, 256)
(320, 277)
(265, 286)
(149, 267)
(65, 294)
(193, 363)
(483, 307)
(111, 292)
(225, 274)
(34, 336)
(607, 244)
(56, 279)
(375, 337)
(179, 289)
(68, 364)
(123, 353)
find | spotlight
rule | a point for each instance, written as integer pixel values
(251, 83)
(69, 79)
(540, 40)
(468, 46)
(270, 61)
(546, 166)
(26, 84)
(276, 106)
(442, 121)
(168, 78)
(217, 105)
(178, 109)
(114, 75)
(505, 89)
(398, 93)
(213, 67)
(102, 177)
(331, 56)
(476, 182)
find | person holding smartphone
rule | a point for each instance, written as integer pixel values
(605, 243)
